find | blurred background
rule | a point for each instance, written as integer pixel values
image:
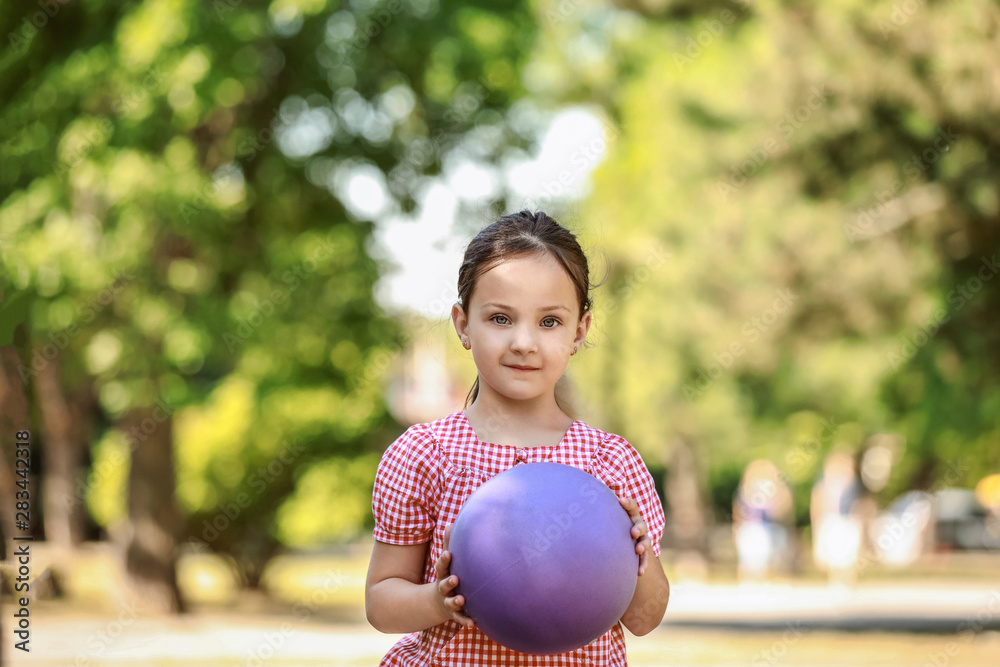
(229, 241)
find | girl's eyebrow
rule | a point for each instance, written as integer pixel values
(503, 306)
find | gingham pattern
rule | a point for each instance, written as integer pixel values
(426, 476)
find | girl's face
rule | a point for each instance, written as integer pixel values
(523, 323)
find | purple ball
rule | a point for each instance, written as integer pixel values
(544, 557)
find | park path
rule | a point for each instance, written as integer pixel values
(911, 606)
(778, 624)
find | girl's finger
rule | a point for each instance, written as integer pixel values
(463, 619)
(442, 564)
(630, 506)
(447, 535)
(447, 584)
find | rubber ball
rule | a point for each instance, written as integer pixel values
(544, 558)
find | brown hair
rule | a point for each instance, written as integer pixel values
(518, 234)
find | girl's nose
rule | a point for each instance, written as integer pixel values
(523, 340)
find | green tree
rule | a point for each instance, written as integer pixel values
(822, 180)
(170, 196)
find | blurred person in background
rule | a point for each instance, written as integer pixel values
(988, 494)
(762, 522)
(834, 511)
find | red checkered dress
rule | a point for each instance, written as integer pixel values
(431, 470)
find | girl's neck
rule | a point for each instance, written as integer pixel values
(523, 425)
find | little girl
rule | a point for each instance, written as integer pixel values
(523, 311)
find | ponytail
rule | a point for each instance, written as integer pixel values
(471, 396)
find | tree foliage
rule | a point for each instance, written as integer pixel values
(822, 180)
(798, 212)
(172, 202)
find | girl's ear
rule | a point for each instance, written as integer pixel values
(460, 320)
(582, 328)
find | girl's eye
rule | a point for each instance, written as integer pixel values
(497, 318)
(549, 322)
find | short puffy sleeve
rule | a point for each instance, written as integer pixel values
(622, 468)
(407, 489)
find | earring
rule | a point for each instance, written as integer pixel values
(465, 343)
(575, 348)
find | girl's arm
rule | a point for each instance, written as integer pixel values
(649, 602)
(652, 590)
(396, 601)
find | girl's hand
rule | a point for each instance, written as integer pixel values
(640, 531)
(451, 604)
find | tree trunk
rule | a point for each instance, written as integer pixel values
(13, 418)
(153, 524)
(684, 496)
(65, 421)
